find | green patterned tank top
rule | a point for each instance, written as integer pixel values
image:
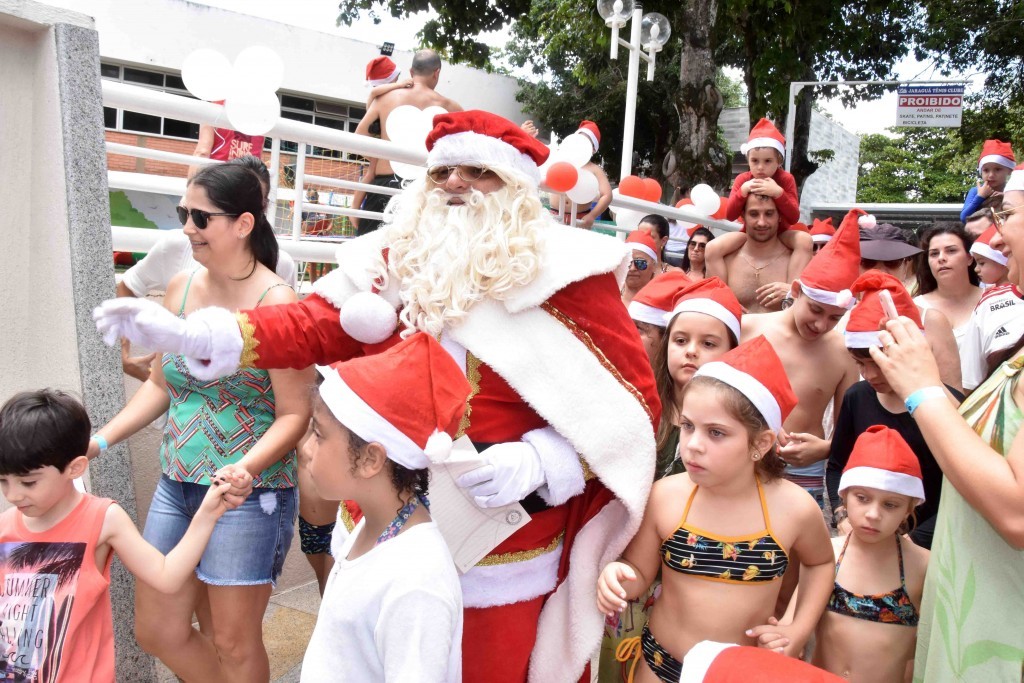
(213, 424)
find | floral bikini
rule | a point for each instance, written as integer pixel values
(894, 607)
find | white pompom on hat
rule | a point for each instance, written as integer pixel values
(368, 318)
(409, 398)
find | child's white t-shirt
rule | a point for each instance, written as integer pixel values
(393, 614)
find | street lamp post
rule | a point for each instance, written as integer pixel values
(649, 32)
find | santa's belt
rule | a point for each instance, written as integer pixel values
(533, 503)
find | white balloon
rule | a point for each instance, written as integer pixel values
(207, 74)
(408, 171)
(431, 112)
(628, 219)
(576, 149)
(252, 113)
(409, 126)
(704, 199)
(260, 67)
(585, 190)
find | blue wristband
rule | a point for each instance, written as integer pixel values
(101, 442)
(922, 395)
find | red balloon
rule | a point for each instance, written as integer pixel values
(632, 186)
(684, 202)
(723, 203)
(562, 176)
(652, 190)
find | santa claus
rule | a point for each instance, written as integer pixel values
(563, 406)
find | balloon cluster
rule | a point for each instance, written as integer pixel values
(247, 88)
(409, 126)
(564, 172)
(703, 199)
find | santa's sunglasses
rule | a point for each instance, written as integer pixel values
(200, 219)
(439, 174)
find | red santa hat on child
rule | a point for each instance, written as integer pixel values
(983, 247)
(642, 241)
(882, 460)
(711, 662)
(653, 302)
(996, 152)
(713, 297)
(764, 134)
(409, 398)
(829, 275)
(591, 131)
(381, 70)
(868, 314)
(755, 370)
(481, 138)
(1015, 183)
(822, 230)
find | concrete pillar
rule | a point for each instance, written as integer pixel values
(56, 261)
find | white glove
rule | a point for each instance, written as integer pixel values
(513, 471)
(152, 326)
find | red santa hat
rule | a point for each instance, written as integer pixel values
(764, 134)
(800, 227)
(409, 398)
(1015, 183)
(997, 152)
(713, 297)
(710, 662)
(882, 460)
(381, 70)
(642, 240)
(755, 370)
(829, 275)
(867, 316)
(590, 129)
(653, 302)
(822, 230)
(480, 138)
(983, 247)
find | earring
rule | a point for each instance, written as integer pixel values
(755, 455)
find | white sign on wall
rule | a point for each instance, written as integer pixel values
(930, 106)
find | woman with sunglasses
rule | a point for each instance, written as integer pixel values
(693, 260)
(243, 427)
(642, 267)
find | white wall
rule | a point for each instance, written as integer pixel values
(161, 33)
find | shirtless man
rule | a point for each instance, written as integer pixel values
(425, 72)
(756, 273)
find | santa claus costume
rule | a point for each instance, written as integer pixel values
(563, 394)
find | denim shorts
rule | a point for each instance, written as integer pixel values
(249, 543)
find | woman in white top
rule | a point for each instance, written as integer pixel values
(946, 280)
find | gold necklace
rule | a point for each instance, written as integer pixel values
(757, 270)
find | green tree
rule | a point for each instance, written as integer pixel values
(926, 165)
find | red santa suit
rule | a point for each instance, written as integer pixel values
(562, 353)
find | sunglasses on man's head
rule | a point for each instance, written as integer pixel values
(200, 219)
(640, 264)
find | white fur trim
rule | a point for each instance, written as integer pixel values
(368, 318)
(819, 239)
(356, 414)
(1015, 183)
(470, 147)
(648, 314)
(563, 474)
(708, 307)
(570, 627)
(747, 385)
(590, 136)
(763, 142)
(995, 159)
(699, 659)
(861, 340)
(225, 344)
(505, 584)
(988, 252)
(842, 299)
(644, 248)
(382, 81)
(883, 480)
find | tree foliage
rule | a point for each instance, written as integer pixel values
(916, 165)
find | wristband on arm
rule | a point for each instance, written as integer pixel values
(101, 442)
(921, 395)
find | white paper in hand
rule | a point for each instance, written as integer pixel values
(470, 531)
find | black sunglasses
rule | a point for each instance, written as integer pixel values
(640, 264)
(200, 219)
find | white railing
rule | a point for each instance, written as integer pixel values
(143, 239)
(147, 101)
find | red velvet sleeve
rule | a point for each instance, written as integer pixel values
(297, 335)
(734, 208)
(788, 203)
(595, 306)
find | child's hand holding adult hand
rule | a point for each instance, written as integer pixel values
(803, 449)
(216, 502)
(611, 596)
(240, 483)
(774, 636)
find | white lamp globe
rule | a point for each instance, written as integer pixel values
(654, 31)
(615, 12)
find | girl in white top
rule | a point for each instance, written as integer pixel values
(392, 606)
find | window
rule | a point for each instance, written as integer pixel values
(321, 113)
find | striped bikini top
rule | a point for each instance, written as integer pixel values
(741, 559)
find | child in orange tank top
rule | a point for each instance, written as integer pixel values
(57, 543)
